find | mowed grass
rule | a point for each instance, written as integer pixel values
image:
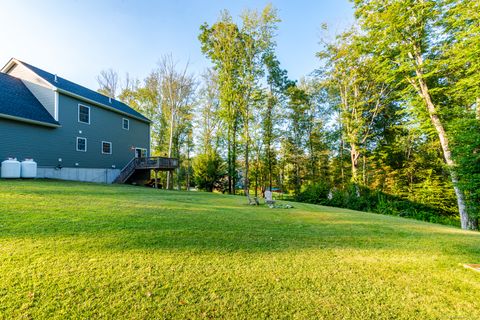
(78, 250)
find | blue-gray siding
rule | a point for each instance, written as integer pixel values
(47, 145)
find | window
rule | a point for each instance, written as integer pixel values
(81, 144)
(106, 147)
(140, 153)
(83, 114)
(126, 124)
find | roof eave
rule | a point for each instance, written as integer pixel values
(40, 123)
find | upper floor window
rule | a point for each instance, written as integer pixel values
(126, 124)
(106, 147)
(83, 114)
(81, 144)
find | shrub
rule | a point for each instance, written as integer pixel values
(208, 169)
(314, 193)
(361, 198)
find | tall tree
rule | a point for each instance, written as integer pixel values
(403, 32)
(278, 84)
(257, 32)
(221, 42)
(462, 66)
(296, 142)
(177, 89)
(364, 92)
(237, 54)
(208, 118)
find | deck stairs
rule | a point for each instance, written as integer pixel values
(145, 165)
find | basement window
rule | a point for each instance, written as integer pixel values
(126, 124)
(83, 114)
(106, 147)
(82, 144)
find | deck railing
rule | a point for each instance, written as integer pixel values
(157, 163)
(153, 163)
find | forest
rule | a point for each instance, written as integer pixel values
(389, 121)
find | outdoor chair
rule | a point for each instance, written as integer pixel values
(253, 201)
(268, 198)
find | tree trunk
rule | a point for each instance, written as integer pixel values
(257, 171)
(270, 169)
(188, 166)
(478, 108)
(342, 173)
(298, 182)
(247, 142)
(423, 90)
(354, 156)
(229, 161)
(269, 134)
(364, 171)
(179, 185)
(234, 160)
(170, 142)
(313, 159)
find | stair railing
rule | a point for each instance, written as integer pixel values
(127, 171)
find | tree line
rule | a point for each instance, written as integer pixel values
(388, 122)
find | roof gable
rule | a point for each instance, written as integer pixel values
(72, 88)
(17, 102)
(17, 69)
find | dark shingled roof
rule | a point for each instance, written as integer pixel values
(76, 89)
(17, 101)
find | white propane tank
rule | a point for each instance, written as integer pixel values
(29, 168)
(11, 168)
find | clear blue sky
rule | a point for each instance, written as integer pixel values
(77, 39)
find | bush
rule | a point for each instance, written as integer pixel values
(360, 198)
(314, 193)
(209, 170)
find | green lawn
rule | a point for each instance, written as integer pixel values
(74, 250)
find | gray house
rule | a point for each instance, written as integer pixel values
(72, 132)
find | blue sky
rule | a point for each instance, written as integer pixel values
(77, 39)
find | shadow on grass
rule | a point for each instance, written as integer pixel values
(152, 220)
(202, 230)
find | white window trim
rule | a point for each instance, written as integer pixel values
(76, 145)
(128, 121)
(111, 150)
(142, 149)
(56, 105)
(89, 113)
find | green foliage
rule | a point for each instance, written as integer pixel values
(394, 96)
(431, 48)
(299, 104)
(317, 193)
(239, 55)
(467, 152)
(363, 94)
(364, 199)
(208, 170)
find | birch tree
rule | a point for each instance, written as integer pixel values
(177, 91)
(403, 33)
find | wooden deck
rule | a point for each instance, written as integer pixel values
(157, 163)
(146, 164)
